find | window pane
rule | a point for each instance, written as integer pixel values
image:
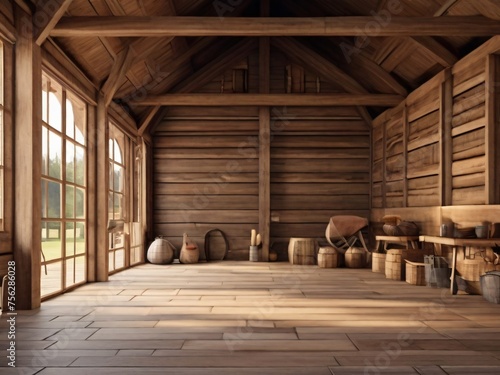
(45, 94)
(44, 199)
(52, 281)
(80, 203)
(111, 151)
(119, 259)
(111, 265)
(117, 153)
(110, 205)
(51, 241)
(45, 151)
(70, 202)
(70, 120)
(118, 206)
(70, 239)
(79, 117)
(70, 272)
(80, 269)
(55, 109)
(80, 238)
(55, 155)
(54, 201)
(118, 174)
(70, 161)
(80, 165)
(111, 176)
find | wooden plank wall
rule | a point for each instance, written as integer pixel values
(206, 175)
(417, 146)
(320, 165)
(468, 132)
(319, 168)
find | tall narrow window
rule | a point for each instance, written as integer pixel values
(64, 250)
(116, 198)
(2, 90)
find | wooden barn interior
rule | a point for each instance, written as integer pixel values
(125, 120)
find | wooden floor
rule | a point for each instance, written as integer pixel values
(256, 318)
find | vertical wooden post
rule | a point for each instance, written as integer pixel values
(491, 132)
(446, 141)
(264, 141)
(102, 189)
(92, 207)
(384, 163)
(28, 164)
(406, 135)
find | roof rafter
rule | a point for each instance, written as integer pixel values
(273, 26)
(323, 67)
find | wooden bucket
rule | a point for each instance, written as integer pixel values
(378, 262)
(302, 251)
(394, 267)
(490, 286)
(328, 257)
(415, 273)
(355, 258)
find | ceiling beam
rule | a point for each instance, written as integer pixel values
(295, 100)
(274, 26)
(52, 12)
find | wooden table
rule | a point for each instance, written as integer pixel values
(459, 242)
(411, 241)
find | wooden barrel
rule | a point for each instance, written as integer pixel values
(395, 269)
(302, 251)
(378, 262)
(328, 257)
(355, 258)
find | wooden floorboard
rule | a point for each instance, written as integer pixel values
(256, 318)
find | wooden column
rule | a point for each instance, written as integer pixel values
(492, 133)
(102, 189)
(406, 135)
(92, 206)
(28, 164)
(264, 141)
(446, 141)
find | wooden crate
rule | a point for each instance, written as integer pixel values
(415, 273)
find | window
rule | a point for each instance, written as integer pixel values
(64, 250)
(2, 91)
(116, 198)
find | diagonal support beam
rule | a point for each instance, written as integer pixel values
(435, 50)
(217, 66)
(52, 12)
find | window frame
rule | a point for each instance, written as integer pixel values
(68, 97)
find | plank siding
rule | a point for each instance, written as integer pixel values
(307, 191)
(468, 136)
